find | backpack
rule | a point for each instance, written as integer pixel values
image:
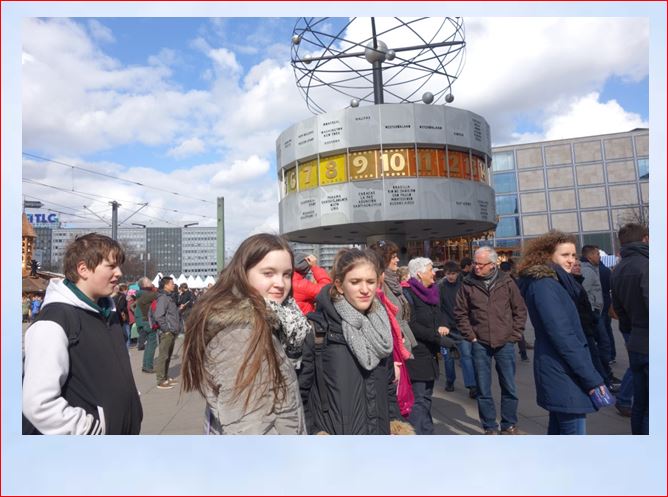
(151, 315)
(320, 340)
(70, 322)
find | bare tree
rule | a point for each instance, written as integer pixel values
(636, 215)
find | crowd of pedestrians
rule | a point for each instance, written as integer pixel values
(279, 345)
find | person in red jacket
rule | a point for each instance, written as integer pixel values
(304, 290)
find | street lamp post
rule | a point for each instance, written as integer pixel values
(145, 245)
(189, 224)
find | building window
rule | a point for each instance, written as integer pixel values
(508, 227)
(503, 161)
(643, 168)
(601, 240)
(506, 204)
(505, 183)
(511, 243)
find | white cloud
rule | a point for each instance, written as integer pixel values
(240, 171)
(100, 32)
(92, 102)
(582, 117)
(522, 66)
(187, 148)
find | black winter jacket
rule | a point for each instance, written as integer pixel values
(425, 320)
(585, 311)
(358, 402)
(630, 295)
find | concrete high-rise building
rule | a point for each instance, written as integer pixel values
(199, 251)
(164, 246)
(131, 238)
(169, 250)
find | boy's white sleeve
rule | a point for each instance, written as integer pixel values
(46, 366)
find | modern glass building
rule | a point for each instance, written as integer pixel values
(588, 186)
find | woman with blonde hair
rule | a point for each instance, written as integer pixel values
(244, 341)
(566, 380)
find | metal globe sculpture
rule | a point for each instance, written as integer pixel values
(385, 161)
(377, 60)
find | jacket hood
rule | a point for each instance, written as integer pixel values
(230, 316)
(57, 291)
(538, 272)
(635, 249)
(325, 307)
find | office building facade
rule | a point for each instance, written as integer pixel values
(588, 186)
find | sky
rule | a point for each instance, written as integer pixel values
(193, 106)
(190, 99)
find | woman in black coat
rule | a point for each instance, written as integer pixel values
(563, 371)
(428, 324)
(347, 373)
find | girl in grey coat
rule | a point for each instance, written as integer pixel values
(244, 341)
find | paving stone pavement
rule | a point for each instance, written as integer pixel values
(170, 412)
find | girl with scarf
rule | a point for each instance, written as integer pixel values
(563, 371)
(347, 374)
(244, 341)
(428, 325)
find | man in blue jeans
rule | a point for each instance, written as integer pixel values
(490, 313)
(448, 288)
(630, 300)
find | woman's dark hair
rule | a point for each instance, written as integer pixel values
(346, 260)
(539, 250)
(229, 291)
(385, 250)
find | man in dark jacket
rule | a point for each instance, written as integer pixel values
(591, 259)
(490, 313)
(166, 316)
(630, 300)
(449, 287)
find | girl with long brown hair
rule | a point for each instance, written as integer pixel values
(244, 341)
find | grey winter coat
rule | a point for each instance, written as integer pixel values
(592, 285)
(167, 314)
(225, 412)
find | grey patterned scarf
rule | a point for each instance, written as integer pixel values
(293, 329)
(368, 335)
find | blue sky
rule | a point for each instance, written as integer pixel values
(196, 103)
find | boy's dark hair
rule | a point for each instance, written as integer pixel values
(91, 249)
(164, 281)
(506, 266)
(450, 267)
(632, 232)
(466, 261)
(588, 249)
